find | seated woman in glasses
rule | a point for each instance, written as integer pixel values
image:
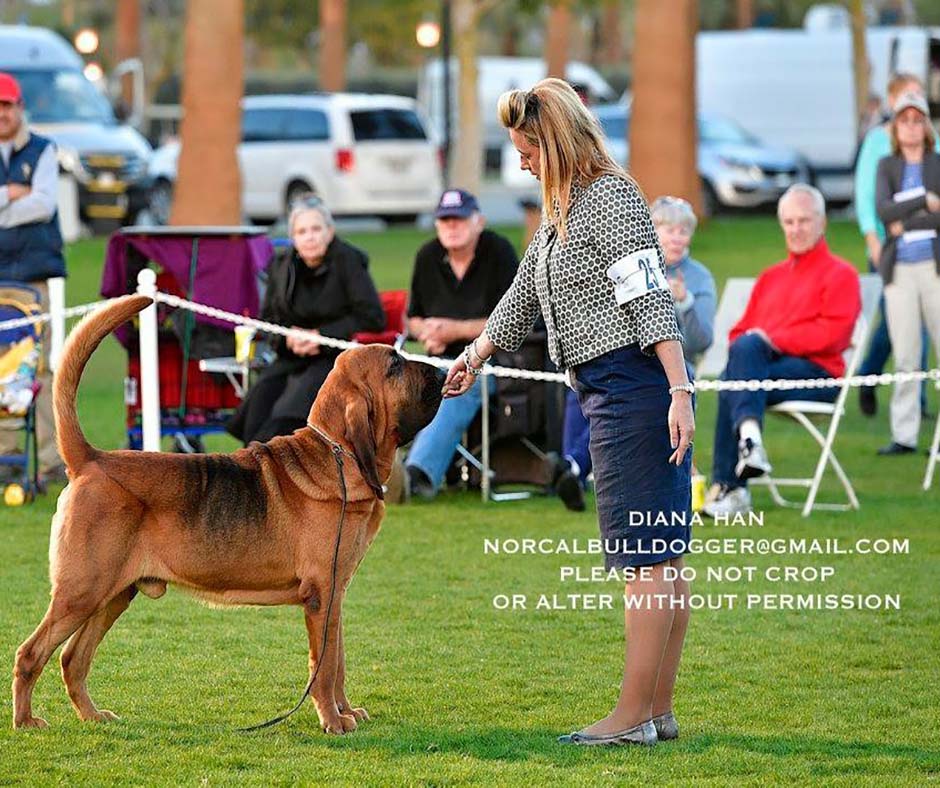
(322, 284)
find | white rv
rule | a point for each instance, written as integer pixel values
(795, 87)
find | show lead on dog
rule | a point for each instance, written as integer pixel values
(595, 271)
(30, 242)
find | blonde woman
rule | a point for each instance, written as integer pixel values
(908, 184)
(595, 272)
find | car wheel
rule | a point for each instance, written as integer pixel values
(296, 190)
(398, 219)
(161, 201)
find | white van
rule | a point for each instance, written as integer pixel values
(795, 88)
(363, 154)
(108, 160)
(496, 76)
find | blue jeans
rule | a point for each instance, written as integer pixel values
(879, 349)
(433, 448)
(750, 358)
(575, 436)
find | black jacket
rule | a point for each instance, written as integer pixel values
(913, 214)
(338, 297)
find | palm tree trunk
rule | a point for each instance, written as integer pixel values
(127, 24)
(859, 62)
(663, 130)
(333, 45)
(467, 154)
(208, 187)
(558, 38)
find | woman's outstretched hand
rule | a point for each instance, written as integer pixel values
(459, 380)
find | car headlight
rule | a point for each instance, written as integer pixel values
(744, 170)
(70, 162)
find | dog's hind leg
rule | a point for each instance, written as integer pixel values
(325, 664)
(339, 688)
(80, 650)
(64, 616)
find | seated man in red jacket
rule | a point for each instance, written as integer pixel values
(797, 324)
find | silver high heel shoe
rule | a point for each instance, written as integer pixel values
(643, 734)
(666, 726)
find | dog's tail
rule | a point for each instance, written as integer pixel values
(74, 449)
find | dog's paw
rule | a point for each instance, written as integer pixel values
(344, 723)
(31, 722)
(102, 715)
(359, 713)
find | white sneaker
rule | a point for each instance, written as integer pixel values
(728, 503)
(752, 460)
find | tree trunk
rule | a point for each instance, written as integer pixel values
(744, 14)
(333, 45)
(467, 153)
(558, 38)
(208, 186)
(663, 130)
(859, 63)
(127, 23)
(611, 34)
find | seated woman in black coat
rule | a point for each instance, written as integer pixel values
(322, 284)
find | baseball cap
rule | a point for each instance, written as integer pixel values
(456, 202)
(911, 99)
(10, 88)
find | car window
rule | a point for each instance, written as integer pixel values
(717, 130)
(62, 96)
(262, 125)
(307, 124)
(615, 126)
(386, 124)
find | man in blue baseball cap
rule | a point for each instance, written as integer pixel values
(458, 279)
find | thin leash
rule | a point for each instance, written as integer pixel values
(338, 452)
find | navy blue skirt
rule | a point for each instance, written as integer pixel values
(644, 503)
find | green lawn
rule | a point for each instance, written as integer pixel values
(461, 693)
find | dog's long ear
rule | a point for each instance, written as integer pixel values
(360, 434)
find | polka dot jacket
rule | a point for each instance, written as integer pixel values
(608, 220)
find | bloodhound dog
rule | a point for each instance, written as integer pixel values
(257, 527)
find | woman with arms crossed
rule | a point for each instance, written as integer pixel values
(595, 270)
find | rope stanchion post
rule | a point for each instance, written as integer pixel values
(56, 287)
(149, 373)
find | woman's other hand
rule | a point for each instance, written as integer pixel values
(304, 345)
(933, 202)
(681, 425)
(896, 228)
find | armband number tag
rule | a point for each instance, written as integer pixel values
(635, 275)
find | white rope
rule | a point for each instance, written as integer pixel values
(557, 377)
(504, 372)
(45, 317)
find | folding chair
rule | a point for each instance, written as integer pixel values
(802, 411)
(20, 358)
(933, 454)
(394, 304)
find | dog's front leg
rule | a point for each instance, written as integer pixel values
(339, 690)
(325, 666)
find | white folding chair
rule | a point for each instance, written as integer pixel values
(934, 454)
(803, 411)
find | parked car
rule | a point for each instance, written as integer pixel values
(365, 155)
(737, 169)
(107, 159)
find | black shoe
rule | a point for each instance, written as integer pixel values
(419, 485)
(896, 448)
(867, 401)
(569, 490)
(926, 415)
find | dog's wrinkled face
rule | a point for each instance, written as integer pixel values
(381, 401)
